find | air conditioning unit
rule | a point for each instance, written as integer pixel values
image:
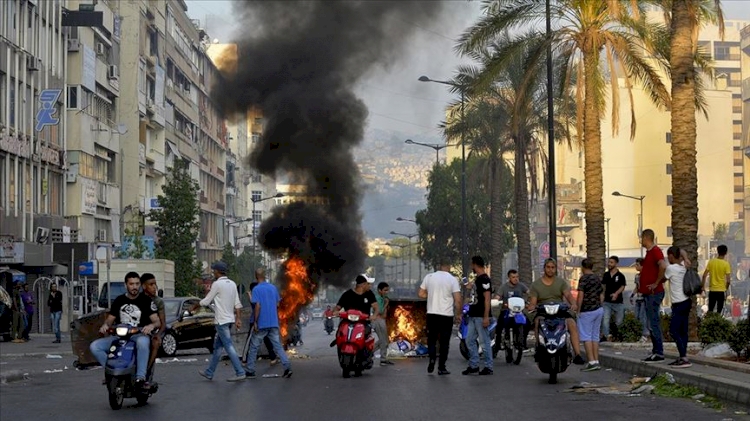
(42, 235)
(101, 235)
(33, 63)
(150, 104)
(101, 49)
(74, 45)
(113, 72)
(70, 176)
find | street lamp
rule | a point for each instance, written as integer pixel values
(464, 243)
(607, 222)
(255, 233)
(552, 191)
(409, 236)
(640, 216)
(403, 262)
(400, 219)
(434, 146)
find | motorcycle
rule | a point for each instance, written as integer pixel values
(329, 324)
(120, 368)
(464, 328)
(354, 346)
(514, 329)
(553, 348)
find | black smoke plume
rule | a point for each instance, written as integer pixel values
(299, 61)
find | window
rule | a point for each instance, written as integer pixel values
(669, 231)
(669, 200)
(668, 137)
(726, 50)
(256, 178)
(736, 103)
(256, 195)
(257, 216)
(669, 168)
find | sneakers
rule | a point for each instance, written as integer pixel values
(653, 358)
(443, 371)
(578, 360)
(680, 363)
(275, 361)
(431, 366)
(238, 378)
(470, 370)
(386, 362)
(486, 372)
(287, 373)
(204, 375)
(56, 341)
(250, 375)
(591, 367)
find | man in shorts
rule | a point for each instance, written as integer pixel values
(148, 280)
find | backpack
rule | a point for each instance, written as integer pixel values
(692, 284)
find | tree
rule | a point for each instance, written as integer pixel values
(587, 31)
(228, 257)
(177, 226)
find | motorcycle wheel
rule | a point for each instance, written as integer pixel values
(116, 392)
(518, 346)
(552, 377)
(358, 371)
(509, 348)
(464, 349)
(346, 373)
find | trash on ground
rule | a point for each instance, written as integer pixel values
(698, 396)
(618, 353)
(670, 378)
(638, 380)
(53, 356)
(645, 389)
(584, 385)
(717, 351)
(53, 371)
(176, 360)
(268, 376)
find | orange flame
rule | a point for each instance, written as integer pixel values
(299, 291)
(405, 326)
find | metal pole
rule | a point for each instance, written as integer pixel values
(464, 240)
(640, 224)
(253, 233)
(551, 144)
(608, 251)
(109, 285)
(437, 156)
(410, 262)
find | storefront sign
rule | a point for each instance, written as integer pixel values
(89, 200)
(10, 252)
(15, 146)
(49, 155)
(47, 109)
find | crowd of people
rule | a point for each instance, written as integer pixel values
(23, 307)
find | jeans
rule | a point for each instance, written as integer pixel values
(382, 332)
(272, 333)
(55, 317)
(17, 327)
(640, 314)
(475, 330)
(653, 305)
(439, 330)
(27, 320)
(716, 299)
(100, 348)
(223, 341)
(678, 327)
(609, 308)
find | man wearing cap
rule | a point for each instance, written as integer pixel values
(227, 307)
(360, 298)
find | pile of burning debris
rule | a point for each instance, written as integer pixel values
(407, 328)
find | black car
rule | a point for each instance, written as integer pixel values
(187, 329)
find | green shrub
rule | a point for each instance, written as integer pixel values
(714, 328)
(631, 328)
(739, 341)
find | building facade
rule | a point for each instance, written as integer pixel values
(745, 96)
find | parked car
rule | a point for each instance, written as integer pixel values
(187, 329)
(317, 313)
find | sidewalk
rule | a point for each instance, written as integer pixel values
(40, 345)
(722, 379)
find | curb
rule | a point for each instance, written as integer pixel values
(719, 387)
(711, 362)
(13, 376)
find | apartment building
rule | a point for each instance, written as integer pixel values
(745, 107)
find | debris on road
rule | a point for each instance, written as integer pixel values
(645, 389)
(53, 356)
(53, 371)
(176, 360)
(721, 350)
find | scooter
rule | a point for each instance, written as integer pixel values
(464, 328)
(119, 370)
(329, 324)
(355, 347)
(514, 323)
(553, 354)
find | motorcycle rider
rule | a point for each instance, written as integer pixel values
(552, 289)
(328, 313)
(134, 309)
(148, 280)
(360, 298)
(512, 288)
(328, 318)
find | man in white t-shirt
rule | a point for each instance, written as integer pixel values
(681, 304)
(443, 295)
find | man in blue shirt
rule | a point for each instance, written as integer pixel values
(266, 324)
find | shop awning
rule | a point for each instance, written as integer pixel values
(18, 276)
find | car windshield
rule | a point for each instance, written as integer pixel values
(171, 307)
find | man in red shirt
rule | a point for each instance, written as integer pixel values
(652, 289)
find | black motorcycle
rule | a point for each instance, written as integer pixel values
(329, 324)
(553, 347)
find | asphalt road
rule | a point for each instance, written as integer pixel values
(318, 392)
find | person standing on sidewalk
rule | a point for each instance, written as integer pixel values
(266, 299)
(681, 304)
(19, 314)
(227, 307)
(652, 289)
(636, 299)
(720, 272)
(55, 304)
(379, 324)
(479, 321)
(590, 297)
(614, 284)
(443, 295)
(28, 303)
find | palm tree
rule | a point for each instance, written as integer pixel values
(587, 31)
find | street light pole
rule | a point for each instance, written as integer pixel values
(552, 191)
(640, 216)
(409, 236)
(608, 252)
(420, 260)
(434, 146)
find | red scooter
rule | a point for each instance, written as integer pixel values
(355, 347)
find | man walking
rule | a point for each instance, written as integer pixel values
(55, 304)
(479, 320)
(443, 296)
(614, 283)
(260, 276)
(28, 303)
(266, 299)
(719, 270)
(379, 324)
(651, 288)
(227, 307)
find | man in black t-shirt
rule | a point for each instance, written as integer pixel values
(614, 283)
(359, 298)
(479, 320)
(134, 309)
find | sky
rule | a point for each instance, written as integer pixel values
(396, 100)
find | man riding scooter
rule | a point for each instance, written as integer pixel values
(360, 298)
(134, 309)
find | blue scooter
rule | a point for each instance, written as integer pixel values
(119, 371)
(464, 327)
(553, 347)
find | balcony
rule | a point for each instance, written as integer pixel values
(727, 57)
(204, 199)
(220, 206)
(204, 161)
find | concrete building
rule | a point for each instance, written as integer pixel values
(745, 106)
